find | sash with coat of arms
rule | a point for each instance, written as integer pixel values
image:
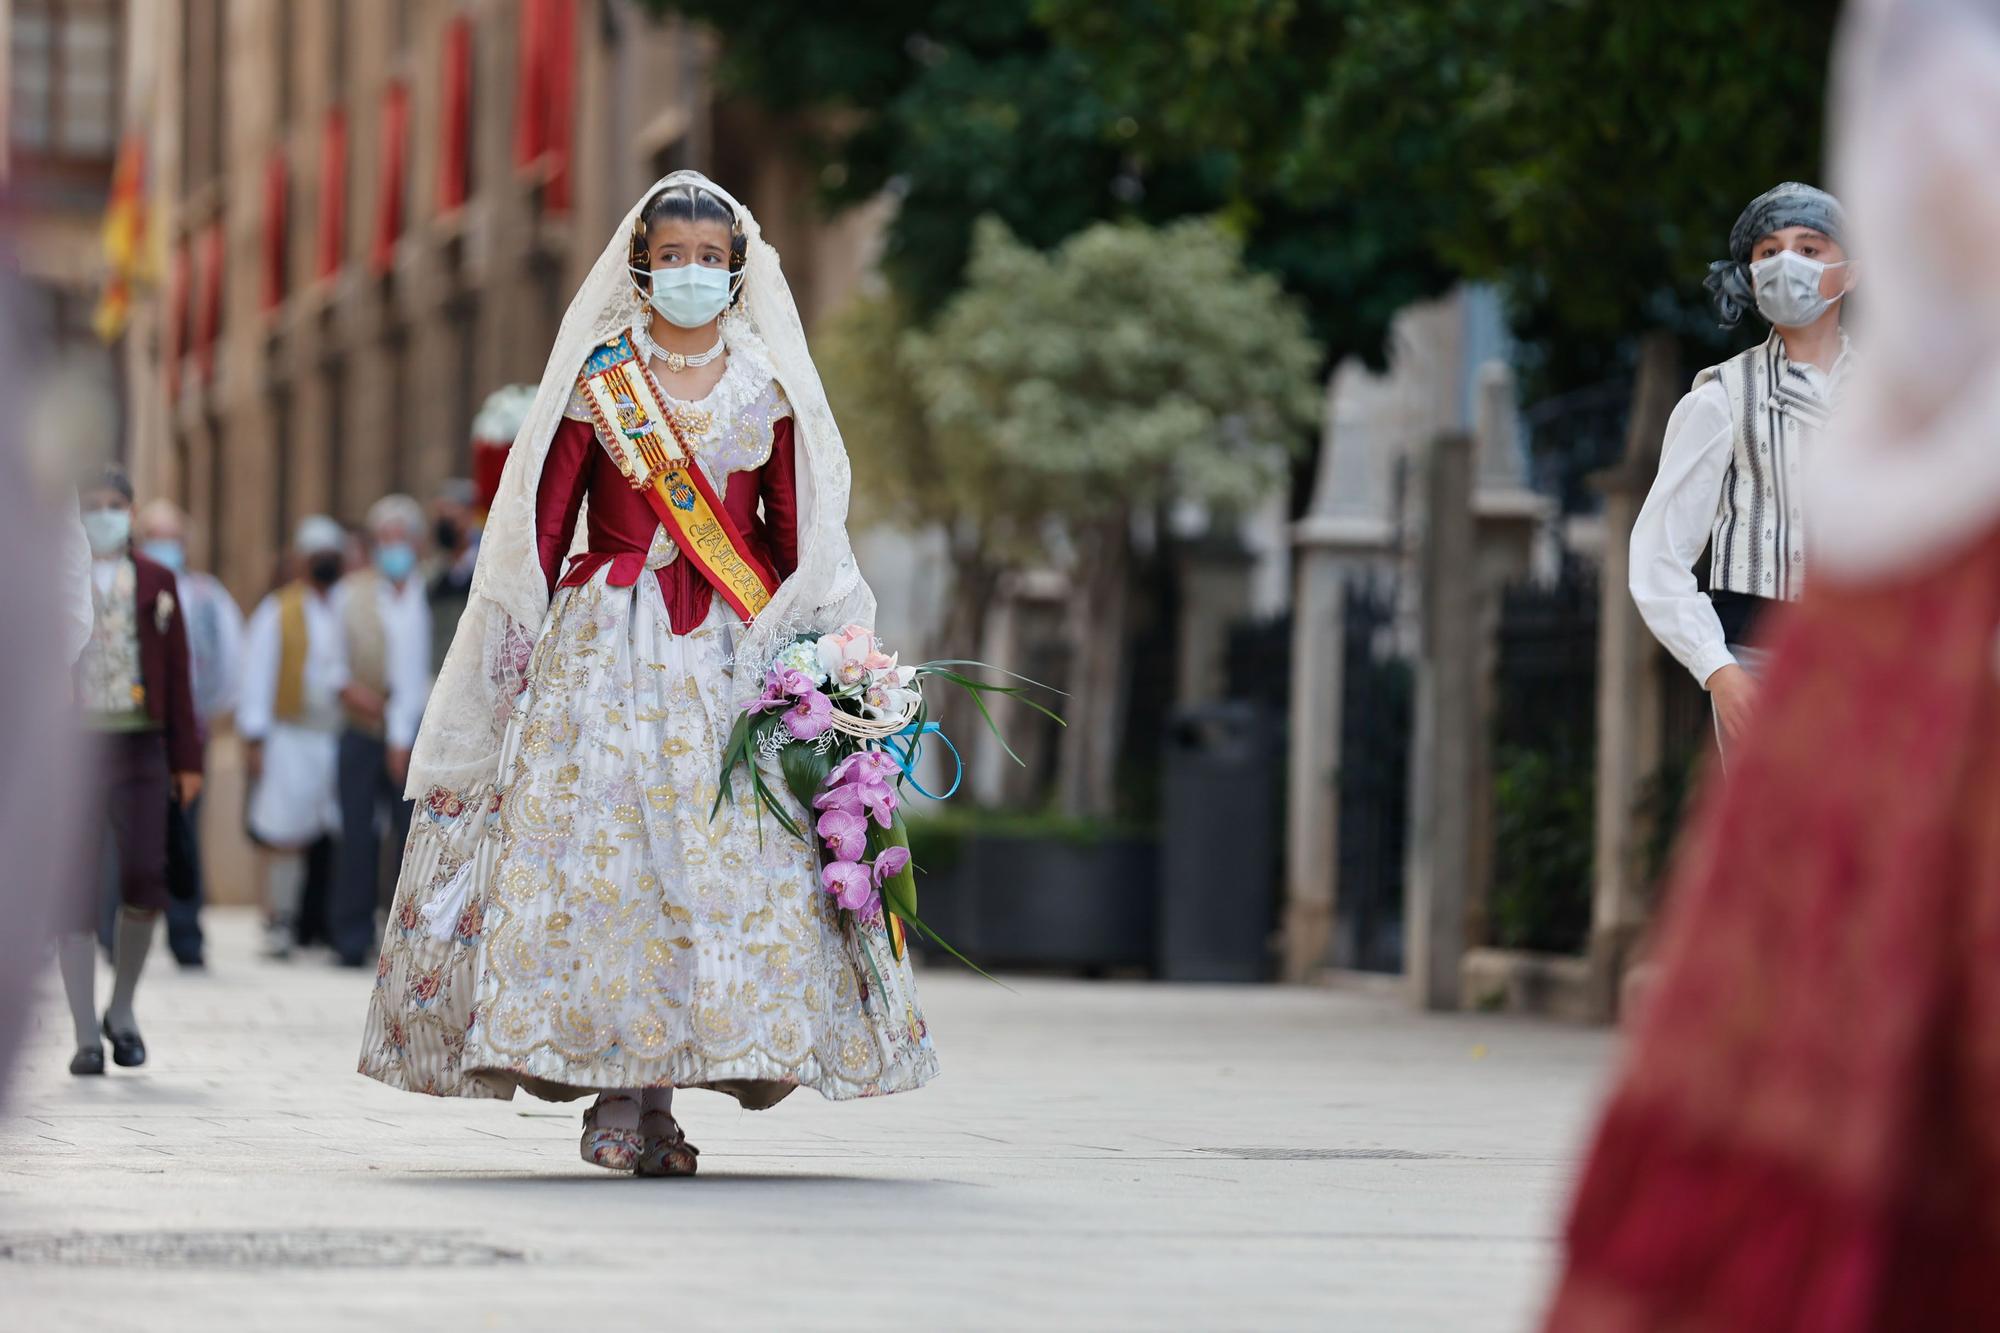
(646, 443)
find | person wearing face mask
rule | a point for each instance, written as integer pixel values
(576, 916)
(132, 682)
(290, 718)
(215, 646)
(385, 642)
(1731, 475)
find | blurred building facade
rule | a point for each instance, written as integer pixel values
(372, 214)
(62, 75)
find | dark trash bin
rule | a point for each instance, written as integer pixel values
(1219, 846)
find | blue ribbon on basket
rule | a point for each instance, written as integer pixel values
(906, 757)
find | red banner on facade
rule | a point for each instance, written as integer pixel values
(332, 193)
(455, 156)
(389, 185)
(543, 129)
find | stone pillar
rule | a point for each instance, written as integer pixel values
(1348, 528)
(1440, 858)
(1629, 689)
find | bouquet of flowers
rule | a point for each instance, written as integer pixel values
(846, 722)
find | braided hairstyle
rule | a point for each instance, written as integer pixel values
(684, 203)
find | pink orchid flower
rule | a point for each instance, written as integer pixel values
(811, 715)
(769, 701)
(890, 863)
(845, 834)
(846, 796)
(864, 766)
(849, 884)
(791, 680)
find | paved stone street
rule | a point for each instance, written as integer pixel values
(1096, 1156)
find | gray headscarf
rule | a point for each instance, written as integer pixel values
(1789, 205)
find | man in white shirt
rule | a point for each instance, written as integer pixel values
(1730, 468)
(215, 645)
(289, 716)
(385, 618)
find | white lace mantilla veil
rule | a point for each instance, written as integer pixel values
(1910, 470)
(458, 746)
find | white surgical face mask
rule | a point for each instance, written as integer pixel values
(108, 530)
(1788, 288)
(691, 295)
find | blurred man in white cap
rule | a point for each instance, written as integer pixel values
(290, 718)
(385, 619)
(215, 646)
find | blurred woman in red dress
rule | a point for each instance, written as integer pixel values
(1806, 1133)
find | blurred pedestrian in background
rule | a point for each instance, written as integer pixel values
(385, 619)
(1805, 1132)
(1730, 469)
(133, 682)
(455, 534)
(215, 647)
(290, 719)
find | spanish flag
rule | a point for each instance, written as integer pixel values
(127, 255)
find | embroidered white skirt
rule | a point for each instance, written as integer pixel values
(593, 927)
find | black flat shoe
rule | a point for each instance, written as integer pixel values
(127, 1050)
(87, 1060)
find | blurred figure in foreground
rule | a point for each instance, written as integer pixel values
(290, 720)
(133, 684)
(47, 610)
(385, 619)
(1806, 1134)
(215, 646)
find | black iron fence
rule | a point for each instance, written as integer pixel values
(1544, 763)
(1377, 692)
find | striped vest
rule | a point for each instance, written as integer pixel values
(1758, 546)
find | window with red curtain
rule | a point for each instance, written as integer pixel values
(548, 93)
(389, 186)
(455, 159)
(276, 241)
(208, 315)
(332, 193)
(175, 334)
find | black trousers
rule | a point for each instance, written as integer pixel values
(369, 800)
(129, 827)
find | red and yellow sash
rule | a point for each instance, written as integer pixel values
(646, 442)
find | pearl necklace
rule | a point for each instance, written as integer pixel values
(676, 361)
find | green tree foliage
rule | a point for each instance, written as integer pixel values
(964, 108)
(972, 108)
(1588, 154)
(1128, 368)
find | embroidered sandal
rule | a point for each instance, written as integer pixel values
(611, 1148)
(667, 1151)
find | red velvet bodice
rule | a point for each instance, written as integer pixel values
(762, 501)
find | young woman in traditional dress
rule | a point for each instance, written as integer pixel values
(571, 919)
